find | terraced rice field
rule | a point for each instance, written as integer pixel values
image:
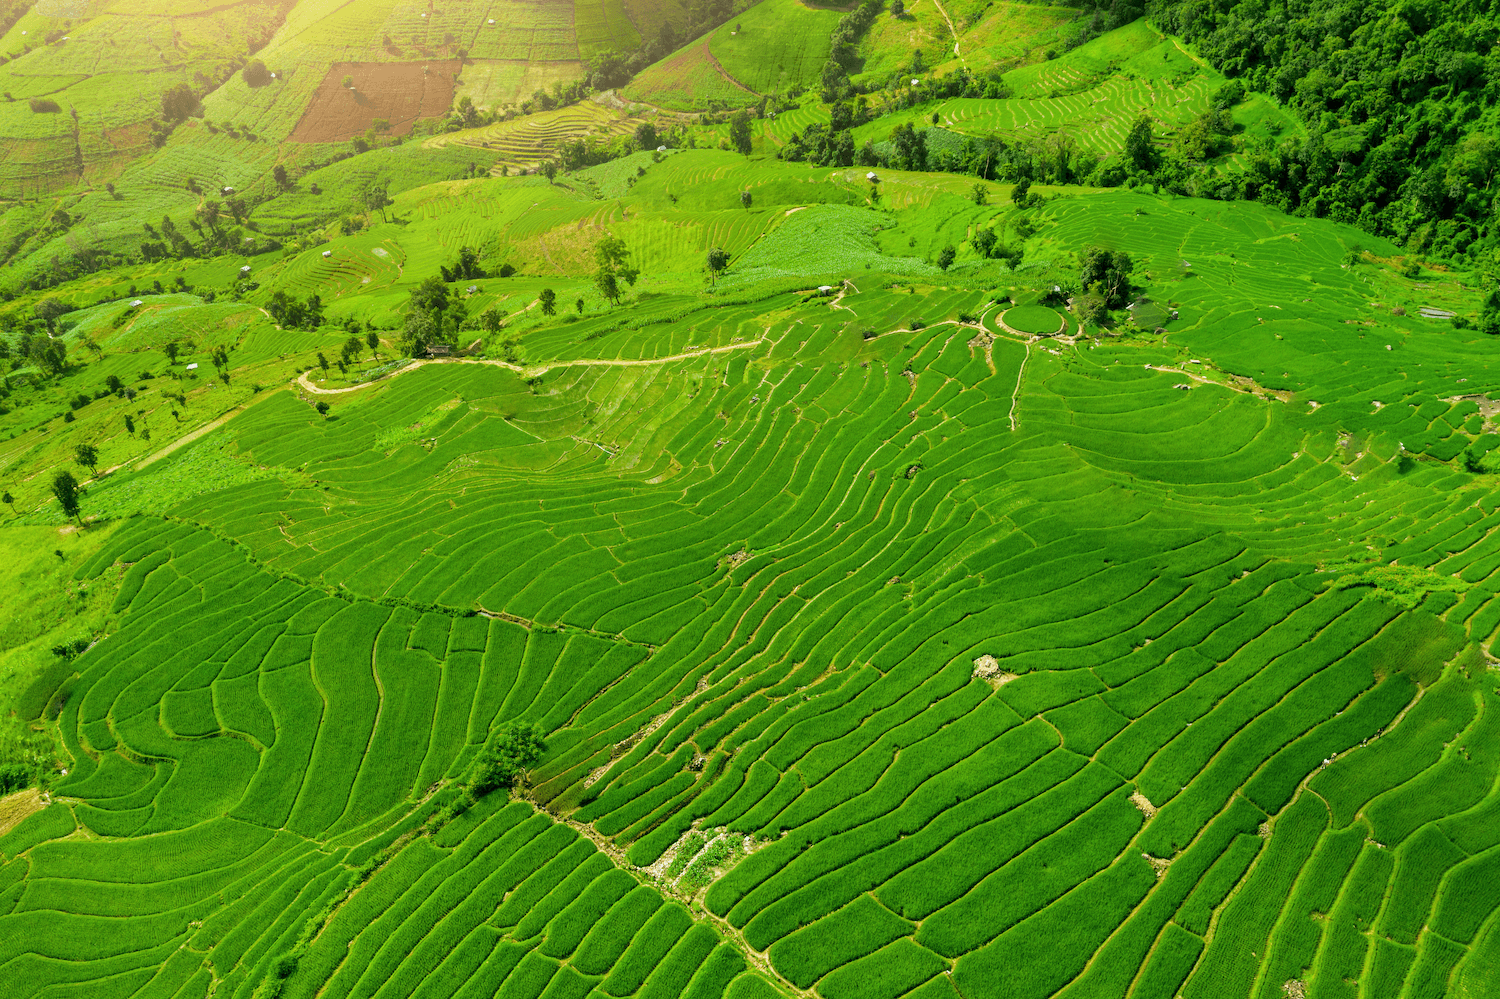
(772, 48)
(873, 660)
(688, 79)
(1090, 94)
(110, 69)
(526, 143)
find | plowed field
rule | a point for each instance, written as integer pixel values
(400, 92)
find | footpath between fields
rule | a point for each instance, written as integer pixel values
(526, 370)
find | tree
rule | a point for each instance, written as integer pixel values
(178, 102)
(352, 348)
(171, 348)
(945, 257)
(48, 310)
(579, 304)
(65, 488)
(746, 199)
(377, 198)
(612, 260)
(48, 354)
(279, 174)
(548, 298)
(129, 425)
(372, 340)
(322, 361)
(840, 116)
(503, 763)
(322, 408)
(348, 82)
(980, 194)
(897, 8)
(835, 82)
(465, 113)
(1107, 272)
(430, 296)
(608, 285)
(8, 500)
(1019, 192)
(645, 136)
(718, 259)
(88, 456)
(1139, 152)
(910, 146)
(549, 170)
(419, 330)
(739, 131)
(984, 242)
(256, 74)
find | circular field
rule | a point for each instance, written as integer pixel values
(1036, 319)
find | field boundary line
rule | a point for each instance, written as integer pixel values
(529, 370)
(758, 960)
(1015, 393)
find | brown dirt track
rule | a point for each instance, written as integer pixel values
(396, 91)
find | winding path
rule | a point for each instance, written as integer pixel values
(529, 370)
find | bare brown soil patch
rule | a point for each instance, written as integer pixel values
(400, 92)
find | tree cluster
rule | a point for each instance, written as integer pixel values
(1106, 273)
(465, 268)
(290, 313)
(612, 265)
(41, 350)
(433, 316)
(503, 762)
(843, 55)
(988, 244)
(1399, 101)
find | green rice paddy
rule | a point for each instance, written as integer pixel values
(877, 653)
(1035, 319)
(892, 635)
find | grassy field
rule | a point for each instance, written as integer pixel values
(884, 642)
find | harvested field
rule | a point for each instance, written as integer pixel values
(401, 93)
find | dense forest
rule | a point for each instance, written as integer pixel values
(1399, 98)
